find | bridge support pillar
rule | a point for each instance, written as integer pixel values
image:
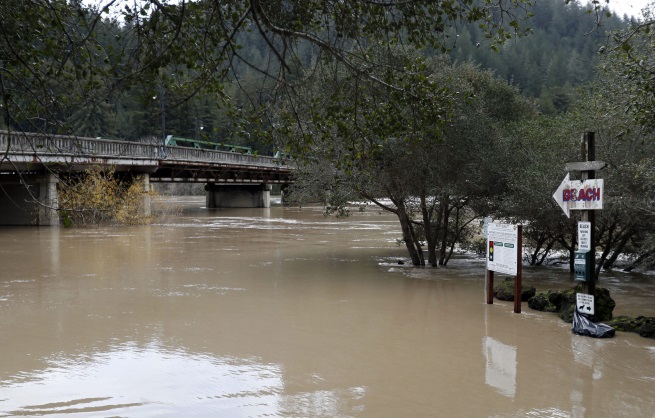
(48, 201)
(29, 200)
(144, 186)
(238, 195)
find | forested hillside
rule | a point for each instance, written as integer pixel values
(559, 54)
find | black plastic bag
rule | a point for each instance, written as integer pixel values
(582, 325)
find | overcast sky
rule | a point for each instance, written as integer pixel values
(620, 7)
(629, 7)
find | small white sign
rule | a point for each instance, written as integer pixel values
(487, 221)
(585, 303)
(584, 236)
(502, 248)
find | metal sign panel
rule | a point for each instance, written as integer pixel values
(585, 303)
(559, 193)
(502, 248)
(584, 236)
(584, 195)
(585, 166)
(579, 195)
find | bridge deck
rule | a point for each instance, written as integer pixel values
(35, 153)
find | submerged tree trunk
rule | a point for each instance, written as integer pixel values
(431, 228)
(457, 235)
(620, 241)
(543, 244)
(412, 243)
(639, 260)
(444, 229)
(545, 253)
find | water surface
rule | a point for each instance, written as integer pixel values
(282, 312)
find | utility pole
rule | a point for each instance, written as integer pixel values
(589, 154)
(163, 119)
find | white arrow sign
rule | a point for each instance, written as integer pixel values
(579, 195)
(559, 193)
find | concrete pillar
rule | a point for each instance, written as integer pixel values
(146, 203)
(48, 201)
(238, 195)
(210, 201)
(28, 199)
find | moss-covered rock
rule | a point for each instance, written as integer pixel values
(505, 290)
(567, 304)
(642, 325)
(546, 302)
(604, 304)
(563, 302)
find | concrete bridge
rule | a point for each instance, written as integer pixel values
(31, 166)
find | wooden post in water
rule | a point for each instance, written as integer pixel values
(490, 287)
(589, 154)
(518, 279)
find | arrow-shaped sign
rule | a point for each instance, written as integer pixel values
(559, 193)
(579, 195)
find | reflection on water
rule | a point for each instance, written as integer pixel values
(98, 384)
(283, 312)
(501, 366)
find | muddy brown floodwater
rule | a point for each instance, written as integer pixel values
(282, 312)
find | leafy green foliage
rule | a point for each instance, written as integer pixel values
(425, 161)
(631, 66)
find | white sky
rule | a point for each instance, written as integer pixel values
(629, 7)
(620, 7)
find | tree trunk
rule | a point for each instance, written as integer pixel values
(545, 253)
(571, 250)
(611, 229)
(607, 265)
(411, 243)
(458, 233)
(444, 230)
(431, 230)
(639, 259)
(538, 243)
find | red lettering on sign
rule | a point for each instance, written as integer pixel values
(582, 195)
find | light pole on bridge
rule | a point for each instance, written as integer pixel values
(163, 120)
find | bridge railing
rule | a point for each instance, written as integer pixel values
(40, 144)
(27, 143)
(203, 155)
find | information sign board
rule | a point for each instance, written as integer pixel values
(584, 236)
(502, 248)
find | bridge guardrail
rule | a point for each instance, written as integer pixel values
(39, 144)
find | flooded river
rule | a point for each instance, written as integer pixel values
(282, 312)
